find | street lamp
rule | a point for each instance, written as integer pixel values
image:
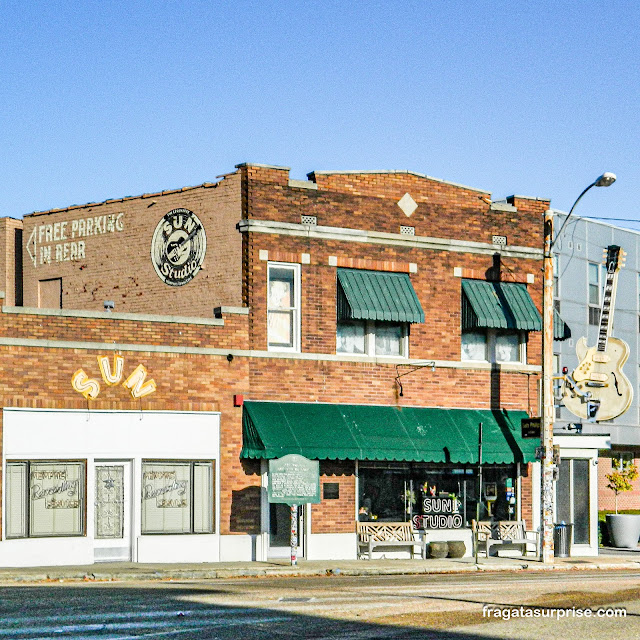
(546, 437)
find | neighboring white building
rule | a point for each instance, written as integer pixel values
(580, 276)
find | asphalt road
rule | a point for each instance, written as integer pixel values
(396, 607)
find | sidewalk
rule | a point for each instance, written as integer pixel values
(609, 560)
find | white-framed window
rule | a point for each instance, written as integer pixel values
(373, 338)
(283, 306)
(595, 286)
(45, 498)
(491, 345)
(620, 459)
(177, 497)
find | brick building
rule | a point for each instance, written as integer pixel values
(158, 350)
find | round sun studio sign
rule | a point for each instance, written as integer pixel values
(178, 247)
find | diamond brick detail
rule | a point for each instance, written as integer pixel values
(407, 204)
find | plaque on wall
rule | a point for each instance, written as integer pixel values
(178, 247)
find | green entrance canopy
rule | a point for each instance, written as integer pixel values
(377, 295)
(368, 432)
(498, 305)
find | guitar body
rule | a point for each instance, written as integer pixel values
(600, 374)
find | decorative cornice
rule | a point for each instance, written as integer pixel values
(104, 315)
(377, 237)
(248, 353)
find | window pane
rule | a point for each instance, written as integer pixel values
(594, 283)
(56, 498)
(202, 497)
(350, 337)
(281, 328)
(166, 496)
(16, 488)
(581, 501)
(388, 339)
(507, 347)
(563, 492)
(281, 292)
(474, 345)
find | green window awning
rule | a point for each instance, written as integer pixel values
(377, 295)
(561, 330)
(498, 305)
(368, 432)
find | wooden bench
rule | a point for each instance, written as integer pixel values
(387, 534)
(487, 534)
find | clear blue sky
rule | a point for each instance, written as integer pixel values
(106, 99)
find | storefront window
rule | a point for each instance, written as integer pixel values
(177, 497)
(397, 492)
(45, 499)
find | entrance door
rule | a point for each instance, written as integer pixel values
(573, 499)
(280, 531)
(112, 534)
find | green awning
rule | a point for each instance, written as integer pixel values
(561, 330)
(368, 432)
(498, 305)
(377, 295)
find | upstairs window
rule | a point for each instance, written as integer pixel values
(374, 311)
(595, 289)
(494, 346)
(372, 338)
(496, 319)
(283, 307)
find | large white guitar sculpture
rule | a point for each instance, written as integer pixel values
(598, 389)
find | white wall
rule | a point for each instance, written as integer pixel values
(32, 434)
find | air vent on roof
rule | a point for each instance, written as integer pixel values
(501, 240)
(312, 220)
(407, 231)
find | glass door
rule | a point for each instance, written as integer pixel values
(573, 497)
(112, 509)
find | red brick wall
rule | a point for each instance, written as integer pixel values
(117, 264)
(118, 267)
(8, 228)
(336, 516)
(606, 497)
(41, 377)
(526, 494)
(369, 201)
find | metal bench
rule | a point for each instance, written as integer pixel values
(387, 534)
(487, 534)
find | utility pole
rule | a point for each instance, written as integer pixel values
(546, 436)
(547, 494)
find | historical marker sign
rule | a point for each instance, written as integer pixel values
(294, 479)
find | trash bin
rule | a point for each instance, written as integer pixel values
(562, 533)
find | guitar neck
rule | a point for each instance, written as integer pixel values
(606, 316)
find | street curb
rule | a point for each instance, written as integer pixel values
(62, 575)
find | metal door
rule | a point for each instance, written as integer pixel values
(112, 508)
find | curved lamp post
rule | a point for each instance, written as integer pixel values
(546, 438)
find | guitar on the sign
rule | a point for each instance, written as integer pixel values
(598, 390)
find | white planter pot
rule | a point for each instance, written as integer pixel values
(624, 530)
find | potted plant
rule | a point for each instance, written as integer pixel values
(624, 528)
